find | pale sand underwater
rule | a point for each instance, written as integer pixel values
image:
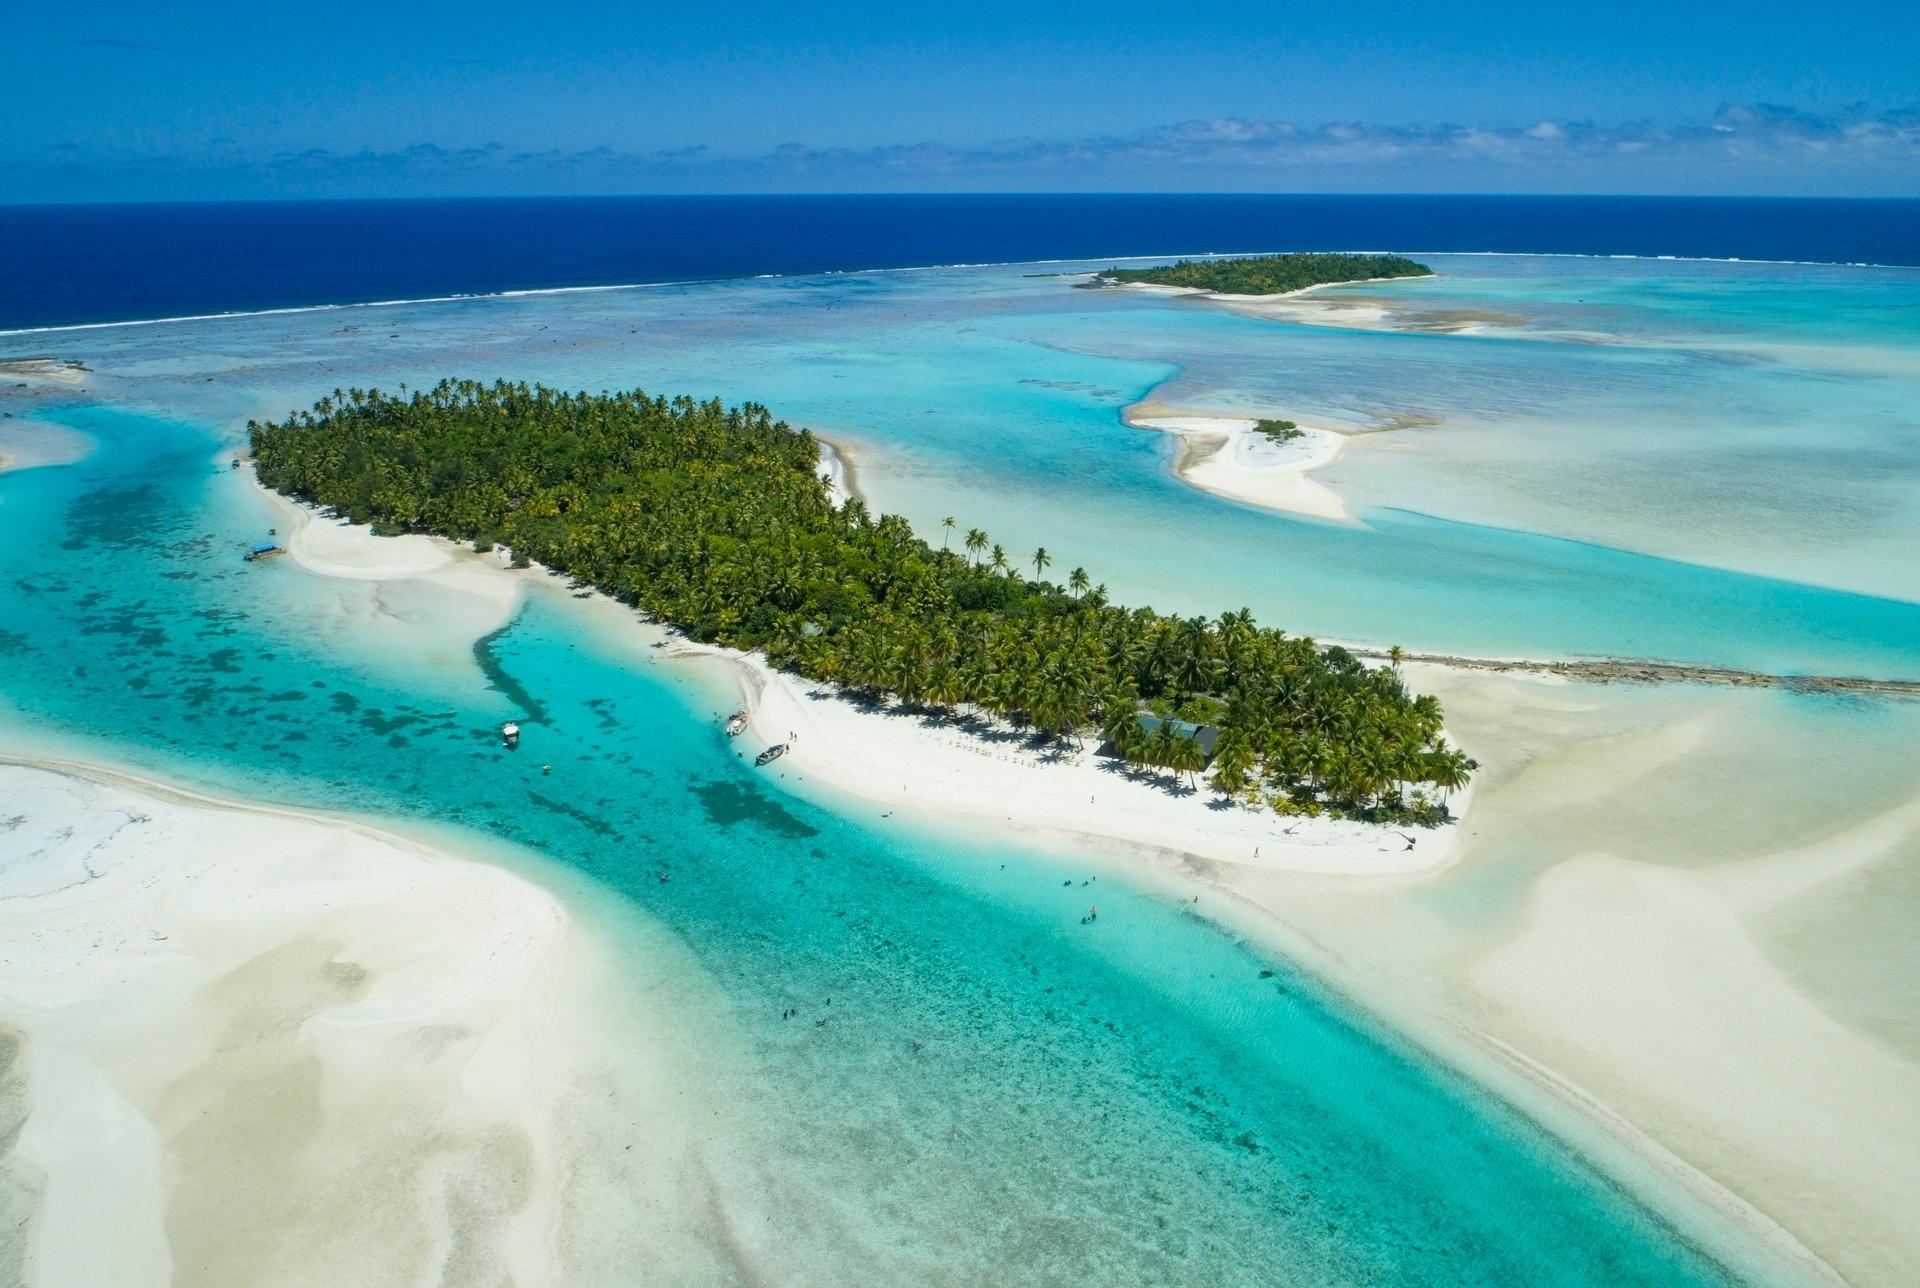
(260, 1047)
(245, 1045)
(1624, 997)
(33, 444)
(1626, 957)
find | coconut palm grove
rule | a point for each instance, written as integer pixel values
(718, 520)
(1270, 274)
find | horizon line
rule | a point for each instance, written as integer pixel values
(950, 194)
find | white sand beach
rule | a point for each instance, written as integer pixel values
(1354, 312)
(246, 1045)
(1228, 456)
(836, 462)
(333, 547)
(917, 762)
(44, 371)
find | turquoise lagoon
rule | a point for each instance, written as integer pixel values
(1150, 1100)
(1147, 1100)
(1686, 490)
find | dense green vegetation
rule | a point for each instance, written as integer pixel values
(716, 519)
(1280, 431)
(1271, 274)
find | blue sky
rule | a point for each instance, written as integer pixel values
(115, 101)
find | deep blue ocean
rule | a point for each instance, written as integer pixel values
(65, 265)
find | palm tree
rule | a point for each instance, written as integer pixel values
(1188, 757)
(1120, 720)
(946, 525)
(1395, 656)
(1162, 746)
(1156, 661)
(976, 542)
(1232, 761)
(1040, 561)
(1447, 768)
(1000, 559)
(1079, 581)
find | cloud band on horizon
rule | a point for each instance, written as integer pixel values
(1761, 149)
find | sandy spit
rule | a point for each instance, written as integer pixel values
(248, 1045)
(1229, 457)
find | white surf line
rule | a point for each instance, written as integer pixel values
(347, 305)
(519, 292)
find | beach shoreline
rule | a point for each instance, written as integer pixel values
(956, 770)
(1158, 288)
(56, 371)
(836, 460)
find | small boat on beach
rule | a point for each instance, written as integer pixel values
(737, 724)
(510, 734)
(770, 755)
(265, 550)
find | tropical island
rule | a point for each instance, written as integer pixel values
(717, 520)
(1268, 274)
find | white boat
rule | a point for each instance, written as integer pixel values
(737, 724)
(510, 734)
(771, 754)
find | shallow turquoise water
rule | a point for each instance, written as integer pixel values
(1142, 1101)
(1694, 489)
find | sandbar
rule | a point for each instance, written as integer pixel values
(259, 1045)
(34, 444)
(1344, 305)
(1229, 457)
(57, 371)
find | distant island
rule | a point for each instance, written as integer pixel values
(1269, 274)
(717, 520)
